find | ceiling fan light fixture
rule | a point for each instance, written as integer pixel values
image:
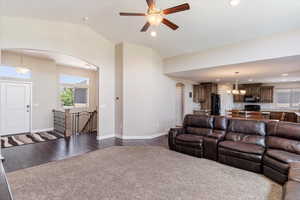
(153, 33)
(154, 19)
(234, 3)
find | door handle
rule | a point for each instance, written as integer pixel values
(28, 108)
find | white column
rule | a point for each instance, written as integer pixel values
(1, 157)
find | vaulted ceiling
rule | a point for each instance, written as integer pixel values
(209, 23)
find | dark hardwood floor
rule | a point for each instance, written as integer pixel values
(21, 157)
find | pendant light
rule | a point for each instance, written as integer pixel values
(236, 90)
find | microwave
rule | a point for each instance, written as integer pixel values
(251, 99)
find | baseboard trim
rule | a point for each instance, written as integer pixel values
(103, 137)
(147, 137)
(42, 130)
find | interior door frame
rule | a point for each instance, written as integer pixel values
(30, 99)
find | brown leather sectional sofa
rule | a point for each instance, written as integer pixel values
(271, 148)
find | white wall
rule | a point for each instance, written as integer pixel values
(148, 95)
(275, 46)
(45, 86)
(119, 90)
(226, 99)
(70, 39)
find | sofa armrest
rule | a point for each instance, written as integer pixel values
(294, 172)
(219, 135)
(172, 135)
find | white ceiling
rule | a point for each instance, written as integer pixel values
(209, 23)
(267, 71)
(59, 59)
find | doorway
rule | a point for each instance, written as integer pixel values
(179, 103)
(15, 108)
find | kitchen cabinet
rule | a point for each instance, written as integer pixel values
(202, 94)
(199, 93)
(238, 98)
(266, 94)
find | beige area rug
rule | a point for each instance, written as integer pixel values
(144, 173)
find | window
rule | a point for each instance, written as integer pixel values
(287, 98)
(74, 91)
(296, 98)
(15, 72)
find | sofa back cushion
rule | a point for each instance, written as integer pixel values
(198, 124)
(220, 123)
(247, 131)
(284, 136)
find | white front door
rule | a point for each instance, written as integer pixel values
(15, 103)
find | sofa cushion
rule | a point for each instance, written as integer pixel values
(240, 155)
(283, 156)
(242, 147)
(247, 131)
(189, 140)
(200, 121)
(248, 127)
(276, 165)
(286, 130)
(285, 144)
(241, 150)
(198, 131)
(220, 123)
(245, 138)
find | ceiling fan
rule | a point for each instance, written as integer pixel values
(155, 16)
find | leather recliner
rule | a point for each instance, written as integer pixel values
(211, 142)
(197, 137)
(244, 144)
(283, 148)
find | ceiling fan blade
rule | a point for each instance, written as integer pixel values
(151, 3)
(145, 27)
(132, 14)
(170, 24)
(175, 9)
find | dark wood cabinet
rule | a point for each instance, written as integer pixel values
(202, 94)
(238, 98)
(199, 93)
(265, 93)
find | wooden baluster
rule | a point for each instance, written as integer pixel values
(68, 123)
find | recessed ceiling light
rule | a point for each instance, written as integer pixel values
(284, 74)
(250, 80)
(153, 33)
(234, 3)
